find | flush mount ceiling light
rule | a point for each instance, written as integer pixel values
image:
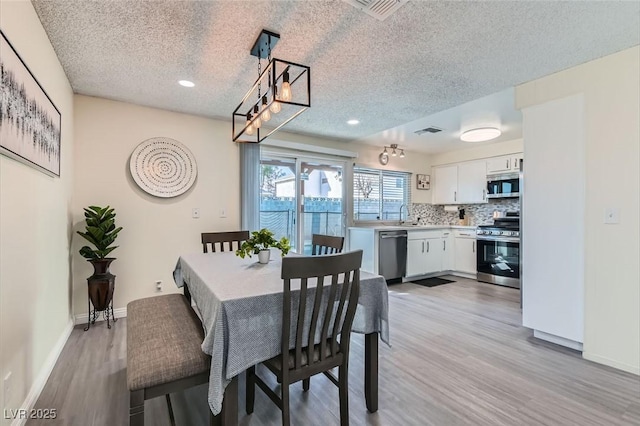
(281, 93)
(481, 134)
(186, 83)
(353, 122)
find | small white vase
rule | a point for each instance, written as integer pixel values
(264, 256)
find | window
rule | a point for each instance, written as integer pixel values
(379, 194)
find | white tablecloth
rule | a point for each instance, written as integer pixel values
(240, 302)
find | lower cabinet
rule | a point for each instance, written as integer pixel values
(465, 252)
(426, 252)
(448, 263)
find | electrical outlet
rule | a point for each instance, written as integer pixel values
(195, 213)
(159, 285)
(6, 385)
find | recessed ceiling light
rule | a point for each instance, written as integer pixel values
(353, 122)
(480, 135)
(186, 83)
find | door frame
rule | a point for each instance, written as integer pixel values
(302, 157)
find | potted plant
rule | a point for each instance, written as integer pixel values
(259, 244)
(100, 231)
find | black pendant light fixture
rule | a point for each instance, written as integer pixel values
(281, 93)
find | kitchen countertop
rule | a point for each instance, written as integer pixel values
(411, 227)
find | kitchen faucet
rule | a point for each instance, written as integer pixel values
(400, 221)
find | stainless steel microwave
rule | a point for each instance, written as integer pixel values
(505, 185)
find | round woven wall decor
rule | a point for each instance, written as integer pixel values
(163, 167)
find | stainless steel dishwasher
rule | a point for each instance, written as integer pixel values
(392, 254)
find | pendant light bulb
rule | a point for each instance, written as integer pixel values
(257, 122)
(286, 87)
(385, 151)
(275, 107)
(402, 153)
(266, 114)
(393, 153)
(250, 128)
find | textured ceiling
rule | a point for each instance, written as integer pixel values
(426, 58)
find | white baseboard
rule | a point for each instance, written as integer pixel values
(557, 340)
(633, 369)
(45, 372)
(83, 318)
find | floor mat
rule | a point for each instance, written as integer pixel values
(432, 282)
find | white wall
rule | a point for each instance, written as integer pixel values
(155, 230)
(553, 235)
(35, 227)
(611, 90)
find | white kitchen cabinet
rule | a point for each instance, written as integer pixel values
(463, 183)
(433, 255)
(499, 165)
(448, 262)
(504, 164)
(515, 162)
(415, 258)
(424, 252)
(445, 185)
(472, 182)
(465, 252)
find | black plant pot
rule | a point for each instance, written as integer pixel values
(101, 286)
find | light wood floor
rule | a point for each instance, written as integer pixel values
(458, 357)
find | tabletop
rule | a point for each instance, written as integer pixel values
(240, 303)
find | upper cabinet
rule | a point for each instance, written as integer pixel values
(504, 164)
(466, 183)
(463, 183)
(472, 182)
(446, 185)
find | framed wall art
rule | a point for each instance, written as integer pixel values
(423, 181)
(163, 167)
(30, 124)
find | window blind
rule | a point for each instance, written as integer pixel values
(379, 194)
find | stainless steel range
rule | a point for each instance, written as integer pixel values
(498, 254)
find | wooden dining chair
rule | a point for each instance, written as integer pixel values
(326, 244)
(332, 306)
(221, 238)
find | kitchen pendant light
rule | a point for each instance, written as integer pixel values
(279, 102)
(480, 134)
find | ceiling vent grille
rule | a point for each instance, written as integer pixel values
(379, 9)
(428, 130)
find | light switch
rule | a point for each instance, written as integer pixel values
(195, 213)
(612, 215)
(223, 212)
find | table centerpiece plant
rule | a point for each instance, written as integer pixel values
(260, 242)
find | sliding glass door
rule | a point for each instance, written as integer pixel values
(321, 201)
(302, 196)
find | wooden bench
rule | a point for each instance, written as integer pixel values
(164, 335)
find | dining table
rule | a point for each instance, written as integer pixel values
(240, 304)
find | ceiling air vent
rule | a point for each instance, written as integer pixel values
(379, 9)
(427, 130)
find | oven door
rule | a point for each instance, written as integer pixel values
(499, 260)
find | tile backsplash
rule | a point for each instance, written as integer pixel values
(478, 214)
